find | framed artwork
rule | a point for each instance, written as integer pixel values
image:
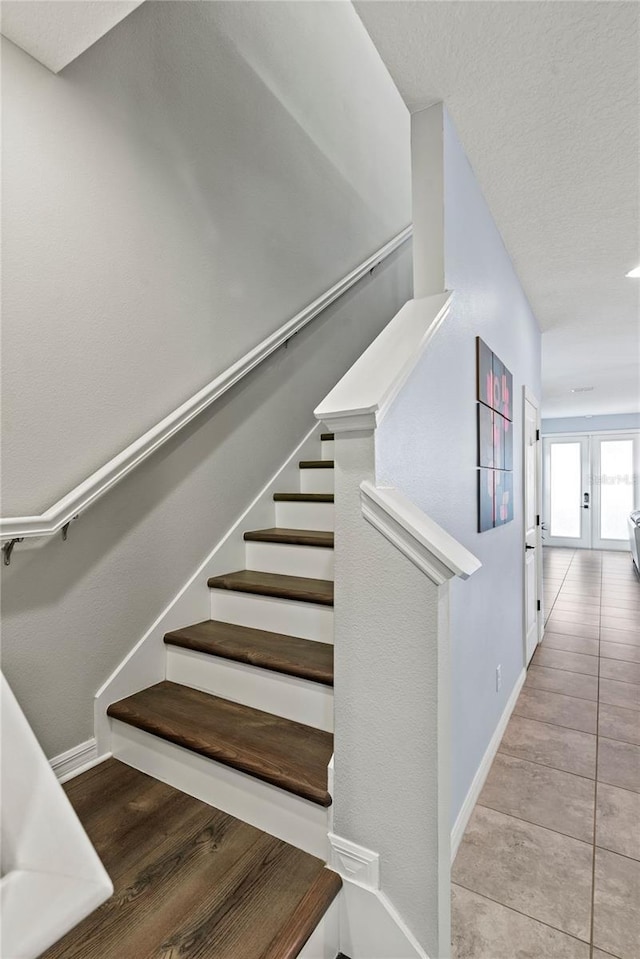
(486, 499)
(485, 436)
(495, 439)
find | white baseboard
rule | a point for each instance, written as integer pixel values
(370, 925)
(145, 664)
(483, 769)
(76, 760)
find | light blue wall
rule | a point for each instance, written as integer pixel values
(426, 446)
(591, 424)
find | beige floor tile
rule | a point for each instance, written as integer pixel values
(618, 820)
(599, 954)
(616, 722)
(618, 622)
(628, 636)
(630, 654)
(580, 616)
(573, 644)
(482, 929)
(555, 746)
(621, 612)
(573, 629)
(620, 670)
(541, 795)
(619, 694)
(619, 763)
(563, 659)
(555, 708)
(561, 681)
(616, 921)
(531, 869)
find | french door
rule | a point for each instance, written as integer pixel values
(591, 484)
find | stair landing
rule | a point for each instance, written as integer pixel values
(189, 880)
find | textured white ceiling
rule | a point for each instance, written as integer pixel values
(55, 32)
(546, 100)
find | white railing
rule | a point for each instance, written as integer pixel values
(392, 644)
(60, 514)
(51, 874)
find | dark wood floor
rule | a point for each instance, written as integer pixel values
(190, 882)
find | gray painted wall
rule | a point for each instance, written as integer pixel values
(426, 446)
(591, 424)
(185, 186)
(192, 181)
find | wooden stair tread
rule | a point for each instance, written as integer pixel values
(303, 497)
(316, 464)
(276, 750)
(257, 647)
(189, 880)
(295, 537)
(300, 588)
(325, 437)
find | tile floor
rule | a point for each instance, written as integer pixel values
(549, 866)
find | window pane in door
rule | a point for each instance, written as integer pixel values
(565, 490)
(616, 487)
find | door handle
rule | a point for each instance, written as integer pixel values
(585, 501)
(529, 547)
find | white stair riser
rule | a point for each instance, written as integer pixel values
(306, 620)
(316, 481)
(276, 811)
(293, 515)
(313, 561)
(324, 941)
(327, 449)
(297, 699)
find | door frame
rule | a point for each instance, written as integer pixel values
(528, 396)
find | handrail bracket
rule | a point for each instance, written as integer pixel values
(7, 549)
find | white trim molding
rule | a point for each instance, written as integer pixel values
(77, 760)
(82, 496)
(427, 545)
(483, 769)
(354, 862)
(364, 394)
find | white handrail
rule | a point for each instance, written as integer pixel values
(429, 547)
(365, 392)
(82, 496)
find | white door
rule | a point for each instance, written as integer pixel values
(567, 491)
(616, 473)
(532, 603)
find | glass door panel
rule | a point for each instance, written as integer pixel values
(616, 469)
(567, 491)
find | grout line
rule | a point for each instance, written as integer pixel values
(539, 825)
(536, 762)
(563, 669)
(519, 912)
(556, 692)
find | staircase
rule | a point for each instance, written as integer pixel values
(243, 720)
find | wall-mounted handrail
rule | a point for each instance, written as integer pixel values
(58, 516)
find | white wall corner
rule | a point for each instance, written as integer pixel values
(482, 772)
(427, 179)
(353, 862)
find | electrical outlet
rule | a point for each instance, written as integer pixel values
(498, 678)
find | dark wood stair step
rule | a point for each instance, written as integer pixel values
(293, 537)
(303, 497)
(325, 437)
(276, 750)
(316, 464)
(189, 880)
(300, 588)
(257, 647)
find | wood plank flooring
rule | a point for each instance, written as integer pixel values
(190, 882)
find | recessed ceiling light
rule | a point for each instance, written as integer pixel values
(581, 389)
(634, 274)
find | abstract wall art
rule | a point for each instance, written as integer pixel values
(495, 439)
